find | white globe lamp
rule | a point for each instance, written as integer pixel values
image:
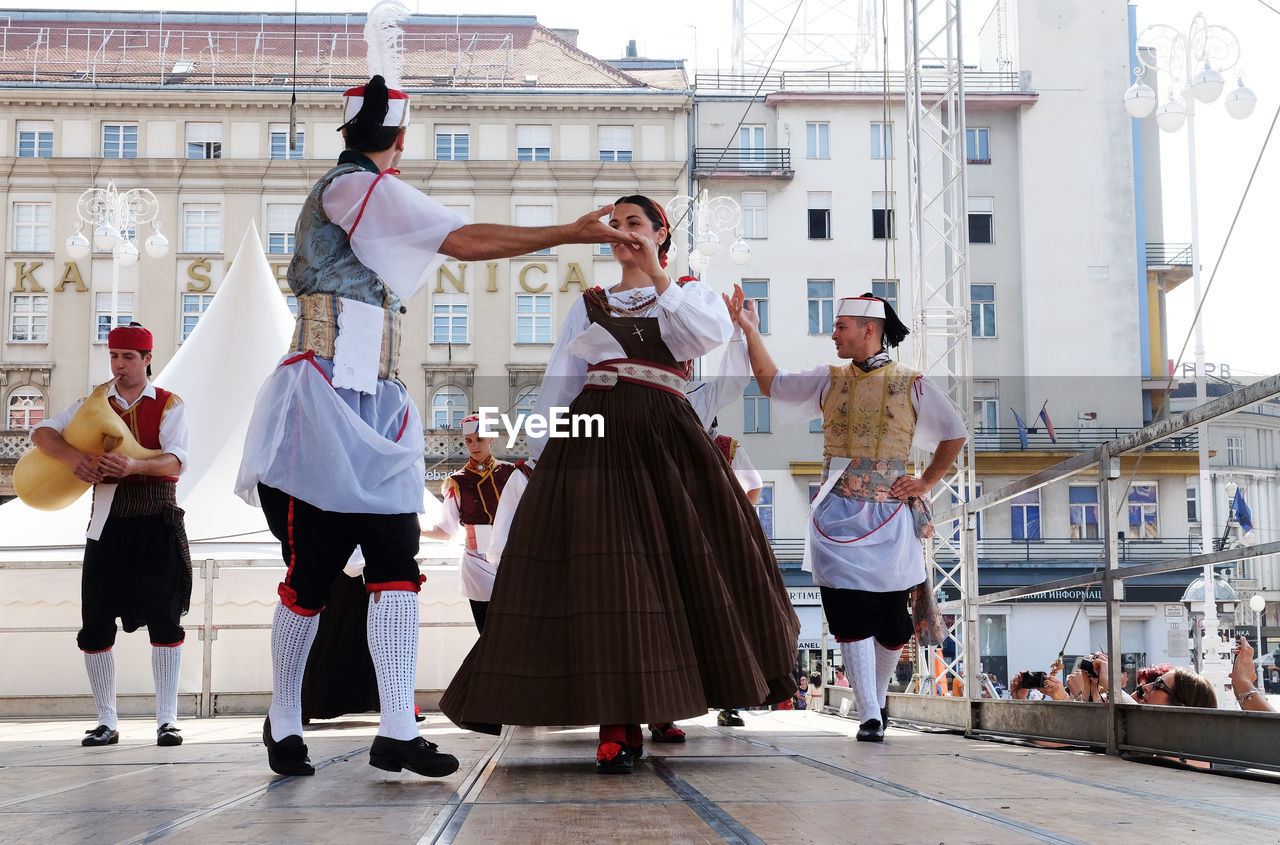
(1140, 100)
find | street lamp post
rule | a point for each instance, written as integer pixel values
(1212, 49)
(113, 217)
(1257, 603)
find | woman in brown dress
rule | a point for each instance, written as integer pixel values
(636, 583)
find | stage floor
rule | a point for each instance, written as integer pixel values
(787, 777)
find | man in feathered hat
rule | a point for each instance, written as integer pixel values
(136, 563)
(334, 451)
(863, 538)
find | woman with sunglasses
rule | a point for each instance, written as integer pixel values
(1178, 687)
(636, 583)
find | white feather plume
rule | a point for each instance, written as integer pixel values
(384, 36)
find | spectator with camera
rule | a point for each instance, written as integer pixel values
(1035, 686)
(1178, 687)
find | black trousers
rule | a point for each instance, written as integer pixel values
(133, 572)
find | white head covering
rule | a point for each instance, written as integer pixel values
(860, 306)
(397, 106)
(471, 425)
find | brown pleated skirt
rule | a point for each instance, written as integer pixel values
(636, 585)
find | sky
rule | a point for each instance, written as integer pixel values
(1244, 300)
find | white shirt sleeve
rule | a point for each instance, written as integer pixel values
(565, 375)
(450, 515)
(748, 476)
(796, 395)
(717, 393)
(692, 319)
(59, 423)
(175, 435)
(936, 418)
(400, 231)
(512, 492)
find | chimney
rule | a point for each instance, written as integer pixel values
(568, 35)
(631, 49)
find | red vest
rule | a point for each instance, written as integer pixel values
(478, 492)
(143, 420)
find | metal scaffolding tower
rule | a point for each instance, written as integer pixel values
(825, 35)
(939, 265)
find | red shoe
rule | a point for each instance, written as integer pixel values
(613, 758)
(666, 732)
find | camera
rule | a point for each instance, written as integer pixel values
(1031, 680)
(1086, 664)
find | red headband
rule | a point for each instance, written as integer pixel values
(130, 337)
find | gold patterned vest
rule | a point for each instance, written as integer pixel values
(869, 414)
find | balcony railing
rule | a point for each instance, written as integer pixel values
(852, 81)
(13, 445)
(1069, 440)
(771, 162)
(1172, 254)
(1054, 550)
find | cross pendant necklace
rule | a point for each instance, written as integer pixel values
(638, 332)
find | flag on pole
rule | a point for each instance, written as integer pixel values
(1044, 415)
(1022, 429)
(1243, 515)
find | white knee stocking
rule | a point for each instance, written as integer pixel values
(101, 667)
(393, 645)
(886, 665)
(165, 662)
(860, 669)
(291, 638)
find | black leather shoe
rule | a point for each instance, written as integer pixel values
(884, 719)
(101, 735)
(289, 755)
(416, 755)
(621, 763)
(168, 734)
(729, 719)
(871, 731)
(667, 732)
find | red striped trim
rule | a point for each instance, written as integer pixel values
(367, 194)
(309, 355)
(172, 645)
(403, 425)
(288, 595)
(99, 651)
(864, 536)
(386, 586)
(615, 362)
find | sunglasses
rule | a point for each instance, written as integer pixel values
(1158, 684)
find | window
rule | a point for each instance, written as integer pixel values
(193, 307)
(1024, 516)
(819, 215)
(26, 409)
(526, 401)
(976, 147)
(821, 306)
(32, 227)
(764, 509)
(882, 215)
(279, 137)
(124, 313)
(119, 140)
(755, 223)
(881, 140)
(449, 318)
(615, 142)
(1144, 522)
(814, 489)
(977, 517)
(756, 291)
(1193, 498)
(1082, 502)
(28, 318)
(282, 221)
(751, 144)
(204, 140)
(980, 228)
(755, 410)
(535, 215)
(533, 318)
(982, 310)
(291, 302)
(886, 289)
(533, 143)
(1235, 450)
(448, 407)
(453, 143)
(817, 140)
(201, 228)
(815, 425)
(35, 139)
(986, 408)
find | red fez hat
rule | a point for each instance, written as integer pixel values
(129, 337)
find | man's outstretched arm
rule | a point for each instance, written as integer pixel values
(483, 241)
